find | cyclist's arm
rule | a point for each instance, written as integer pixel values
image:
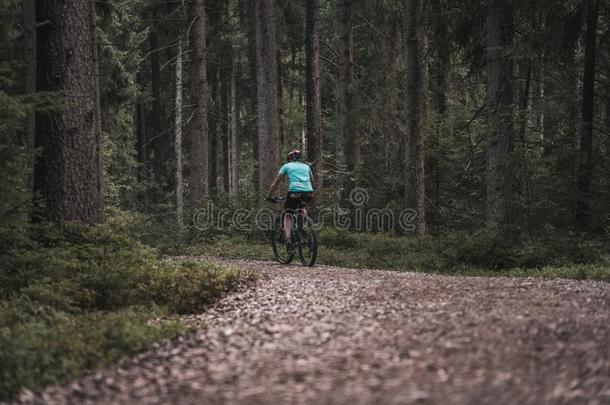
(313, 179)
(276, 182)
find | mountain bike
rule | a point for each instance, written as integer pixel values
(304, 237)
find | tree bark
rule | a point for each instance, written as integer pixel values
(525, 106)
(156, 139)
(348, 135)
(314, 103)
(442, 69)
(225, 109)
(500, 102)
(215, 132)
(68, 172)
(199, 171)
(443, 60)
(97, 101)
(585, 166)
(249, 20)
(141, 131)
(29, 34)
(96, 79)
(607, 176)
(178, 140)
(279, 97)
(234, 157)
(540, 103)
(571, 25)
(267, 82)
(415, 72)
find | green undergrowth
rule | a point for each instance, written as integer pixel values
(568, 256)
(78, 298)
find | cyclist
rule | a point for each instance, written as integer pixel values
(301, 184)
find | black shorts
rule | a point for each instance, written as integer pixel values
(295, 201)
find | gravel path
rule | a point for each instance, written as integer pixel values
(343, 336)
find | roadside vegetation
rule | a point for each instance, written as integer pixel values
(454, 254)
(77, 298)
(565, 255)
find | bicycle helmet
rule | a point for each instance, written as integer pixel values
(294, 155)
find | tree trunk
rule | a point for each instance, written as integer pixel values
(249, 19)
(225, 127)
(234, 157)
(415, 72)
(442, 69)
(569, 48)
(585, 166)
(199, 173)
(178, 140)
(279, 97)
(540, 104)
(68, 173)
(155, 137)
(29, 34)
(96, 84)
(500, 102)
(607, 176)
(314, 103)
(443, 60)
(525, 107)
(347, 132)
(141, 131)
(267, 81)
(215, 134)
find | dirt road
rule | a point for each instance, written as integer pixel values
(342, 336)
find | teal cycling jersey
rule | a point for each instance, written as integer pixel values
(299, 176)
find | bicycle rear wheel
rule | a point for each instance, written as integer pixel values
(279, 244)
(308, 244)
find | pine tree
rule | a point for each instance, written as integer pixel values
(199, 173)
(347, 133)
(267, 81)
(178, 139)
(500, 102)
(586, 129)
(314, 102)
(69, 171)
(415, 181)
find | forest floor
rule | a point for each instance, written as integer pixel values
(344, 336)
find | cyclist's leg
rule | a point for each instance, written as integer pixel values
(290, 205)
(302, 207)
(301, 213)
(287, 225)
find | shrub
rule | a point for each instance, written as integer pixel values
(337, 239)
(189, 287)
(57, 347)
(457, 253)
(76, 298)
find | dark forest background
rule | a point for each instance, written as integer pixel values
(478, 115)
(120, 120)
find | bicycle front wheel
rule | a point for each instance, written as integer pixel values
(279, 244)
(308, 244)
